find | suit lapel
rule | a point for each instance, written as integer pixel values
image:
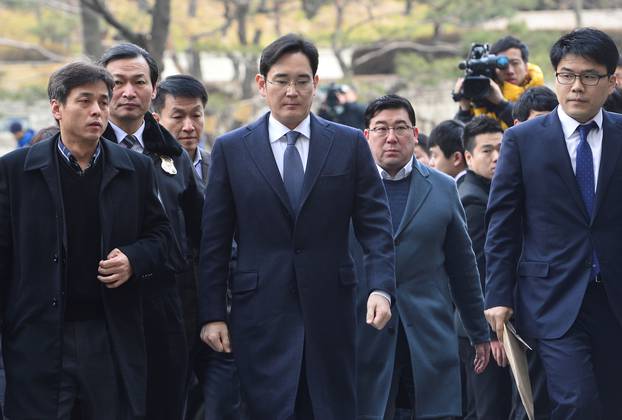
(42, 157)
(611, 148)
(561, 159)
(319, 146)
(420, 188)
(257, 142)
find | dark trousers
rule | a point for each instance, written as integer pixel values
(402, 378)
(90, 385)
(218, 378)
(490, 391)
(303, 410)
(583, 367)
(537, 378)
(167, 354)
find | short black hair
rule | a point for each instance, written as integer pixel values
(447, 135)
(287, 44)
(72, 75)
(614, 102)
(589, 43)
(508, 42)
(389, 102)
(479, 125)
(129, 50)
(179, 86)
(538, 98)
(422, 141)
(620, 61)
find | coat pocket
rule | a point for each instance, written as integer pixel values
(347, 276)
(244, 281)
(533, 269)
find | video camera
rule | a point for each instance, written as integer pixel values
(479, 68)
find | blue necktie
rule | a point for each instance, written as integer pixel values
(585, 177)
(293, 171)
(129, 141)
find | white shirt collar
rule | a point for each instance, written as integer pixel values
(121, 134)
(569, 124)
(276, 130)
(460, 174)
(197, 157)
(401, 174)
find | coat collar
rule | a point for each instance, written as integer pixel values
(257, 142)
(157, 139)
(420, 187)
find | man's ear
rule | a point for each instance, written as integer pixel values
(56, 111)
(260, 81)
(458, 159)
(156, 116)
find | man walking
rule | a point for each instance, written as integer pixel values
(554, 232)
(288, 186)
(81, 231)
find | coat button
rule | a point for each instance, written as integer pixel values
(55, 259)
(298, 251)
(54, 303)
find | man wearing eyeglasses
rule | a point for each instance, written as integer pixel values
(287, 187)
(555, 238)
(419, 349)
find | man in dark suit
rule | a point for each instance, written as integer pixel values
(488, 393)
(554, 232)
(288, 186)
(179, 106)
(81, 229)
(135, 73)
(435, 268)
(447, 150)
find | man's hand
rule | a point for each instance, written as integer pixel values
(378, 311)
(216, 335)
(482, 357)
(498, 353)
(115, 269)
(494, 94)
(463, 103)
(497, 317)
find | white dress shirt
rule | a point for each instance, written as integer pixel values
(198, 159)
(594, 139)
(401, 174)
(140, 147)
(278, 140)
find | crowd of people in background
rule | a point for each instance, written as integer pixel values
(333, 267)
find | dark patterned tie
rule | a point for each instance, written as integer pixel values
(585, 177)
(129, 141)
(293, 171)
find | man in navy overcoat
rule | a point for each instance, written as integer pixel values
(287, 187)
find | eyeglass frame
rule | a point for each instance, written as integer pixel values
(375, 130)
(580, 76)
(295, 84)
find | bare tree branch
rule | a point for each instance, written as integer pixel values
(98, 7)
(27, 46)
(406, 45)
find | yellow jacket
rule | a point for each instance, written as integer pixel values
(512, 92)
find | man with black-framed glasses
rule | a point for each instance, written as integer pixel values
(554, 239)
(419, 350)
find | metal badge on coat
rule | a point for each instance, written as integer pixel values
(167, 165)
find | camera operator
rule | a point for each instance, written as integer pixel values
(506, 87)
(340, 106)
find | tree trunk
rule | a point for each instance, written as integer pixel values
(91, 33)
(578, 12)
(408, 7)
(160, 24)
(192, 8)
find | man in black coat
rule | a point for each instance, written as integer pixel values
(488, 393)
(81, 230)
(135, 74)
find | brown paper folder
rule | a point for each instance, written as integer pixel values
(515, 348)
